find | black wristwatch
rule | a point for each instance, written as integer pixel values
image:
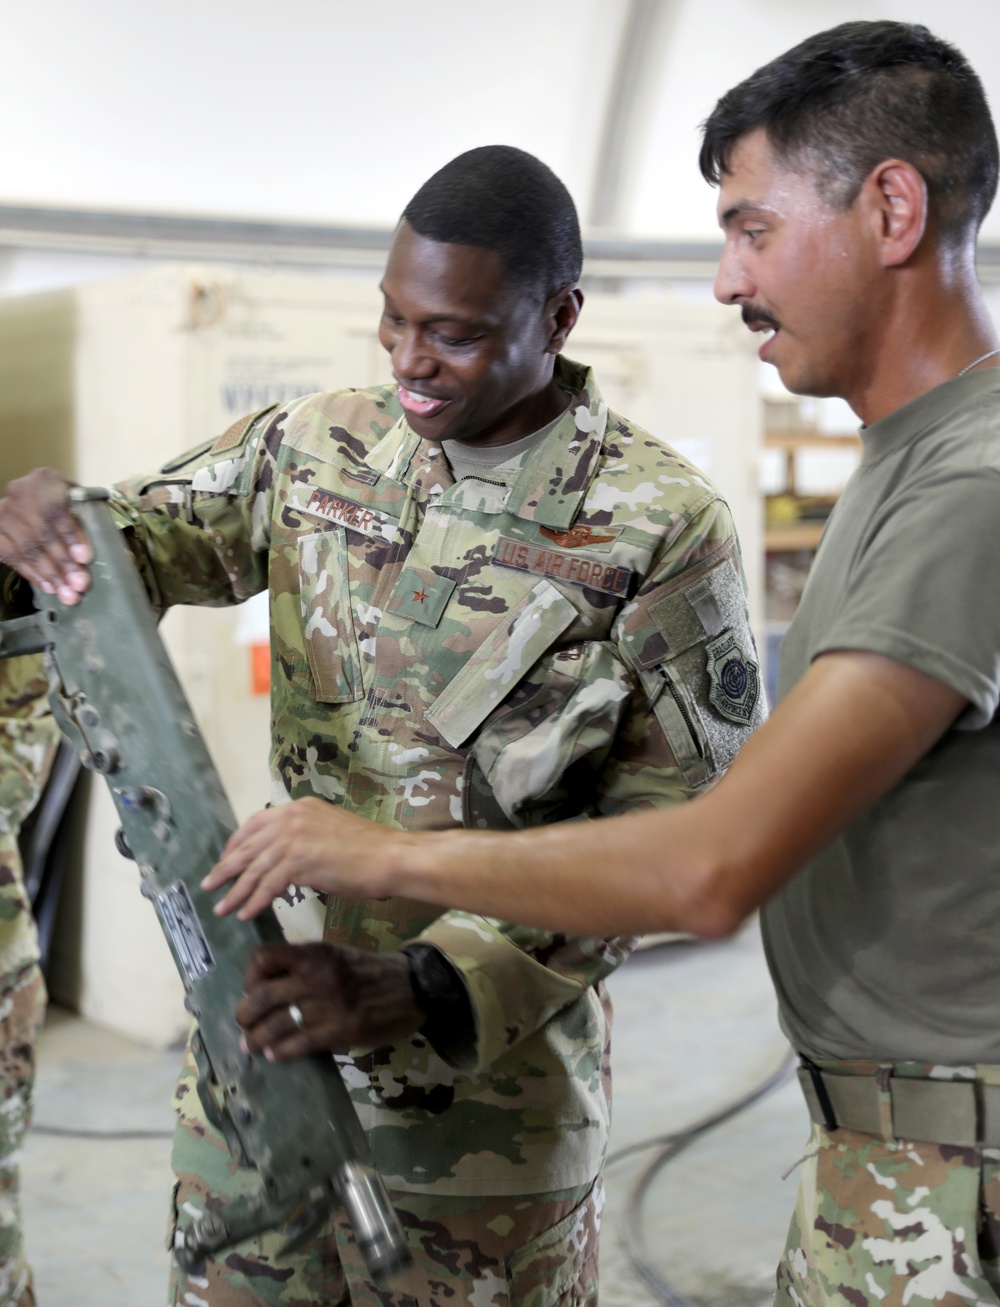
(440, 993)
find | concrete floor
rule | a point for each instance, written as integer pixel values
(695, 1029)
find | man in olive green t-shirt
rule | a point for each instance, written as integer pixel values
(886, 945)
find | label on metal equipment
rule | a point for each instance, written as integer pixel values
(181, 923)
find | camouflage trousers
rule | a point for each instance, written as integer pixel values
(22, 1009)
(894, 1223)
(536, 1250)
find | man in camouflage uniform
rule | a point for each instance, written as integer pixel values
(28, 740)
(494, 604)
(854, 172)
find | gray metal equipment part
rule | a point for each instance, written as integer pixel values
(117, 697)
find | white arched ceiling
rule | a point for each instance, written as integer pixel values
(709, 47)
(321, 110)
(334, 111)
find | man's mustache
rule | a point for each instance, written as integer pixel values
(758, 317)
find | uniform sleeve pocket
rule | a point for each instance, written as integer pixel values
(327, 620)
(501, 662)
(691, 643)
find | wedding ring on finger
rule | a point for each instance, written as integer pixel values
(295, 1012)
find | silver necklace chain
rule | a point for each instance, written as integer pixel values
(975, 364)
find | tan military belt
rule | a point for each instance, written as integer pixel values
(963, 1113)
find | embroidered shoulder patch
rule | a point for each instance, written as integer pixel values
(233, 436)
(733, 678)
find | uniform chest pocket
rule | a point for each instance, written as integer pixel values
(501, 662)
(328, 630)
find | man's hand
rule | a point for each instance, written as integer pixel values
(41, 539)
(347, 998)
(308, 842)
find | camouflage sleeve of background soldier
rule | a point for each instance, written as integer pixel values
(198, 525)
(682, 670)
(29, 738)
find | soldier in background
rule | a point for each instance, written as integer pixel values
(29, 738)
(494, 604)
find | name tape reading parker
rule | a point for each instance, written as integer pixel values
(325, 504)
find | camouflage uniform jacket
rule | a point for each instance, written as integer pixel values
(29, 737)
(570, 643)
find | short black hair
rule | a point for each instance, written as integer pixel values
(838, 104)
(503, 199)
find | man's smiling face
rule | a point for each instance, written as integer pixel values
(470, 348)
(799, 269)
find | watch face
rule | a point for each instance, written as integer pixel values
(441, 994)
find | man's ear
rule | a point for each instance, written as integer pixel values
(561, 312)
(897, 195)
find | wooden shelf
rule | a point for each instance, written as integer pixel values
(798, 535)
(792, 443)
(793, 440)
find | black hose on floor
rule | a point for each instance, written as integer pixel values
(73, 1132)
(670, 1146)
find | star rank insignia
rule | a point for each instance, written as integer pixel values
(420, 596)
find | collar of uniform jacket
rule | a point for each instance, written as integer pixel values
(556, 474)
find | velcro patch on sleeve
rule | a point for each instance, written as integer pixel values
(234, 436)
(691, 643)
(684, 612)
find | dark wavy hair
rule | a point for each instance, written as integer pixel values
(842, 101)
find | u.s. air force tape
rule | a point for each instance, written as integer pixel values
(574, 568)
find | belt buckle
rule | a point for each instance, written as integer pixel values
(829, 1121)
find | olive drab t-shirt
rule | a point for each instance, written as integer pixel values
(887, 945)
